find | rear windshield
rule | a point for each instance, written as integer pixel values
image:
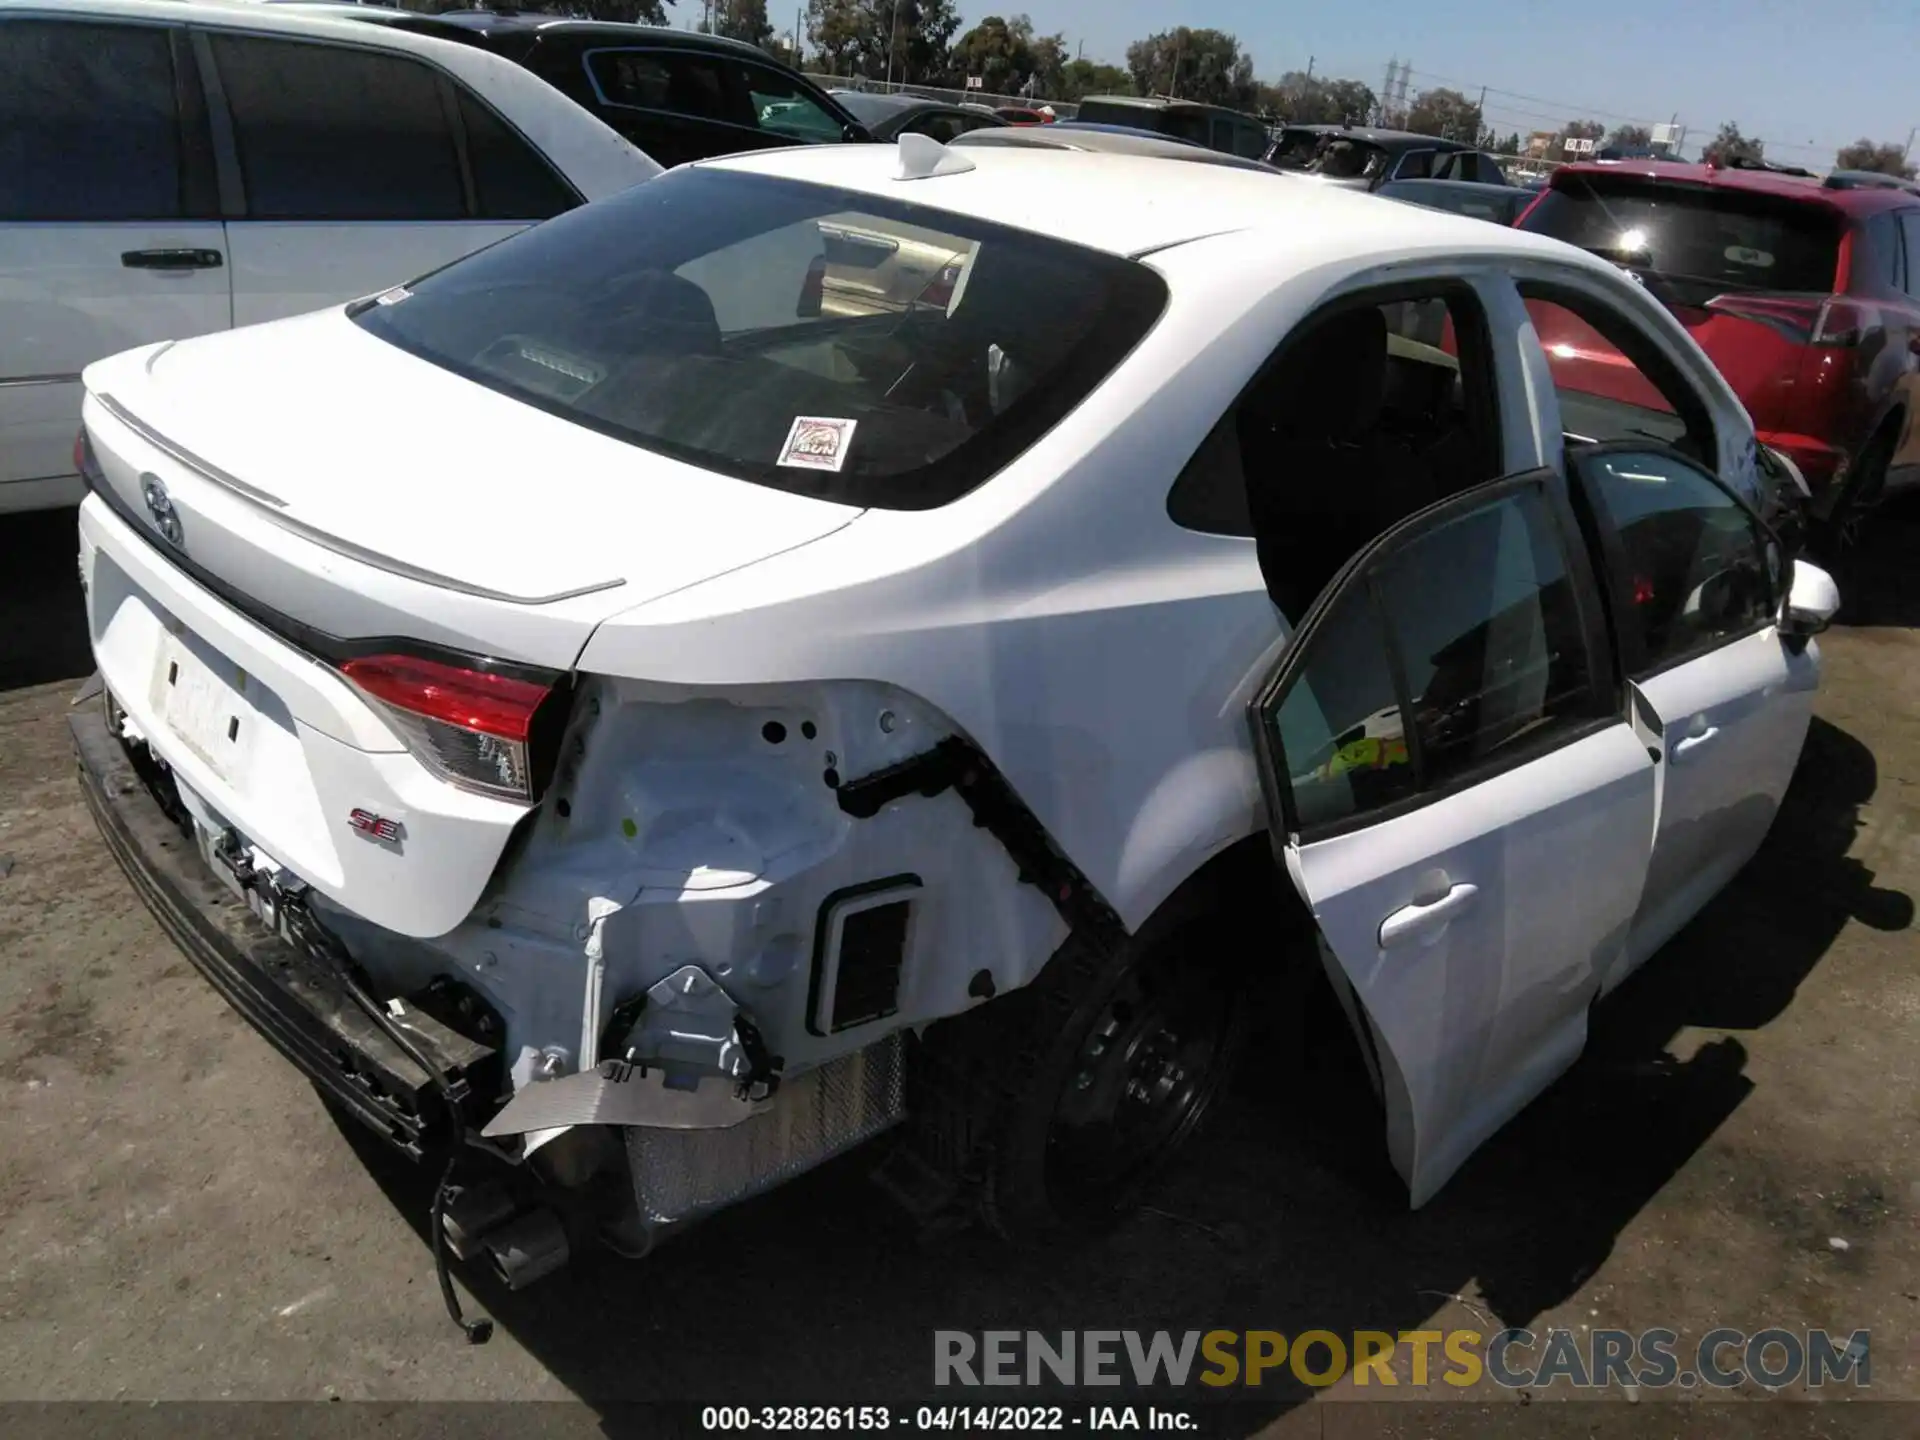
(1134, 117)
(1345, 159)
(1295, 148)
(820, 341)
(1710, 239)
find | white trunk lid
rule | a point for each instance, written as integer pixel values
(339, 480)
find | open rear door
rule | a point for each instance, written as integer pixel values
(1457, 793)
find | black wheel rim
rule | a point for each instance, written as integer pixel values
(1145, 1072)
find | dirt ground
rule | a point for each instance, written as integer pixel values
(181, 1218)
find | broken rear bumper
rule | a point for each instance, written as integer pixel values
(295, 1000)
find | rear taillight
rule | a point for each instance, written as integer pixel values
(474, 727)
(1825, 320)
(85, 463)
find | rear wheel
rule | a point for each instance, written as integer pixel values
(1860, 495)
(1055, 1104)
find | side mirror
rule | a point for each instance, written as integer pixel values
(1812, 602)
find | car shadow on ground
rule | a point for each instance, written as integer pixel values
(1283, 1216)
(43, 618)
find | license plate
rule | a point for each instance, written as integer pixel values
(208, 712)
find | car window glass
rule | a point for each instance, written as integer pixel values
(1489, 632)
(1250, 140)
(1342, 743)
(1698, 569)
(88, 127)
(942, 125)
(684, 84)
(1364, 416)
(1910, 273)
(511, 180)
(1183, 125)
(783, 107)
(867, 350)
(1700, 240)
(1415, 165)
(1608, 379)
(329, 132)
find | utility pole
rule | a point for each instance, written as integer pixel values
(1907, 154)
(1310, 67)
(1173, 90)
(799, 32)
(893, 33)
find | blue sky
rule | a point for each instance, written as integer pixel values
(1766, 64)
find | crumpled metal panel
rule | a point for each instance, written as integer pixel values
(679, 1175)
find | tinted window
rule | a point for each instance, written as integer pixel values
(1295, 148)
(1703, 241)
(1344, 159)
(781, 106)
(1189, 125)
(511, 180)
(684, 84)
(1249, 140)
(1415, 165)
(1910, 270)
(942, 125)
(1489, 633)
(1608, 378)
(1354, 425)
(326, 132)
(1342, 734)
(861, 349)
(1482, 622)
(88, 127)
(1698, 570)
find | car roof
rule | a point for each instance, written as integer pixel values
(1133, 204)
(1808, 189)
(1090, 137)
(1163, 102)
(897, 103)
(515, 22)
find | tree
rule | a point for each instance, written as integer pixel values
(1863, 154)
(1631, 137)
(1310, 100)
(999, 52)
(743, 20)
(1446, 113)
(1081, 78)
(1730, 144)
(1510, 145)
(1578, 130)
(1194, 65)
(853, 37)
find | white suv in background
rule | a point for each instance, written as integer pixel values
(167, 169)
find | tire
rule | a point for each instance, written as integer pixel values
(1055, 1104)
(1865, 484)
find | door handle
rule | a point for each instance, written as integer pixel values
(171, 259)
(1683, 748)
(1418, 919)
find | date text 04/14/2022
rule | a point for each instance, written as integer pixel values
(962, 1418)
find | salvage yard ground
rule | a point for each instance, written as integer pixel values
(181, 1218)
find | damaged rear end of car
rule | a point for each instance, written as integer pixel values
(622, 942)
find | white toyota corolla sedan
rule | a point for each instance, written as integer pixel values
(860, 634)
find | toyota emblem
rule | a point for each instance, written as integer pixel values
(165, 518)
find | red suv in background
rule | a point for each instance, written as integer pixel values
(1802, 292)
